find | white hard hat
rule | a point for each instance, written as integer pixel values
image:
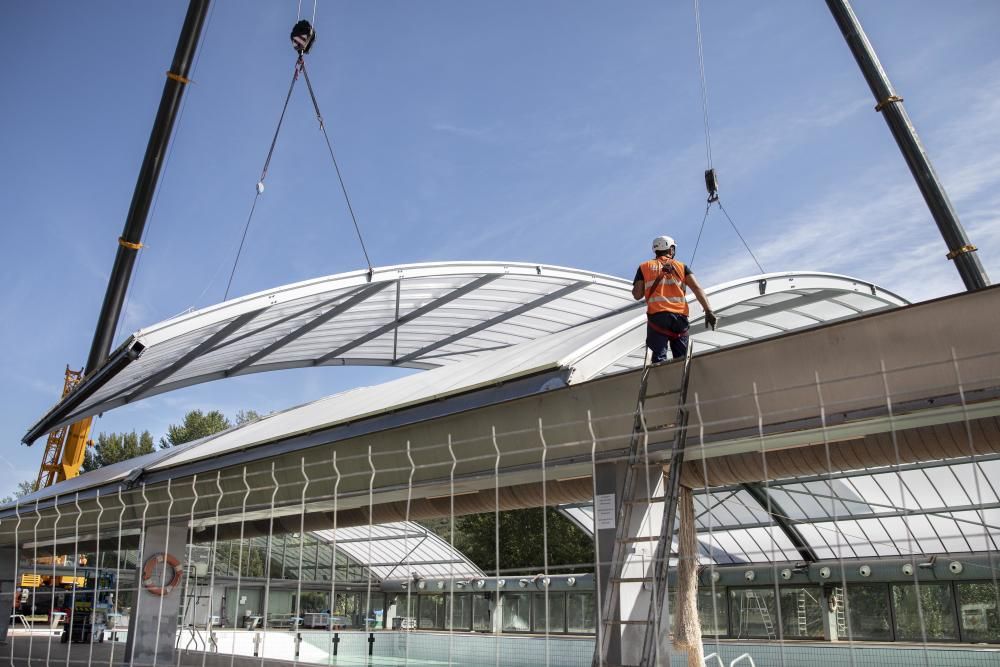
(663, 243)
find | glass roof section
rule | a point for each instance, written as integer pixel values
(401, 550)
(910, 510)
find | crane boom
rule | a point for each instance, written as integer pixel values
(65, 448)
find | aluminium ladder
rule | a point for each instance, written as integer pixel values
(631, 496)
(801, 614)
(755, 603)
(838, 599)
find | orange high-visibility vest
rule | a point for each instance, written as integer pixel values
(667, 295)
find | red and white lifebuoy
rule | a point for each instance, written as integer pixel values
(161, 585)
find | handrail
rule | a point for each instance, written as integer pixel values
(717, 659)
(746, 656)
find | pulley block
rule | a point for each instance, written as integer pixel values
(303, 36)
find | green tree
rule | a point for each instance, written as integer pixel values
(23, 489)
(570, 549)
(114, 447)
(196, 424)
(247, 416)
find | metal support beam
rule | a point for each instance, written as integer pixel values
(400, 321)
(235, 325)
(780, 517)
(502, 317)
(891, 106)
(340, 308)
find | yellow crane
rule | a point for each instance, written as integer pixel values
(66, 447)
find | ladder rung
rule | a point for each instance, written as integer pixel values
(672, 392)
(612, 621)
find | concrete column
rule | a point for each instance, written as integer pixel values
(627, 637)
(608, 481)
(8, 566)
(152, 626)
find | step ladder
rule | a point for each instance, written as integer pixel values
(633, 495)
(756, 604)
(838, 599)
(802, 617)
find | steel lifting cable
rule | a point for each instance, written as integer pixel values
(710, 177)
(329, 148)
(263, 174)
(704, 84)
(745, 244)
(302, 41)
(298, 12)
(701, 229)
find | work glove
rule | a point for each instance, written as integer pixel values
(711, 320)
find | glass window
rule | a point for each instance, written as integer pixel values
(867, 607)
(580, 612)
(801, 615)
(516, 612)
(482, 613)
(312, 601)
(557, 612)
(934, 618)
(714, 617)
(977, 612)
(462, 617)
(406, 605)
(754, 612)
(349, 605)
(279, 602)
(375, 618)
(432, 612)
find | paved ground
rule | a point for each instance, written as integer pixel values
(50, 652)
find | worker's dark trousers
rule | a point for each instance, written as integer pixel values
(658, 342)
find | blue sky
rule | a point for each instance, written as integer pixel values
(559, 132)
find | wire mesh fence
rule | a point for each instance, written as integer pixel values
(849, 520)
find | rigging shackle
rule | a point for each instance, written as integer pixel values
(712, 185)
(303, 35)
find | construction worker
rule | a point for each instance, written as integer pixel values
(663, 282)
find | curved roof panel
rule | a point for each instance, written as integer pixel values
(401, 550)
(773, 303)
(414, 315)
(433, 315)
